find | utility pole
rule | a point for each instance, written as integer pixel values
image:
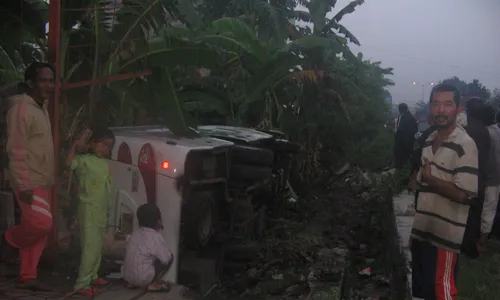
(54, 58)
(423, 88)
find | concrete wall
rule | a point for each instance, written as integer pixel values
(404, 210)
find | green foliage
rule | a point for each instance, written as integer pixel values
(21, 36)
(469, 89)
(391, 184)
(373, 154)
(245, 62)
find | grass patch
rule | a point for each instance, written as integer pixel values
(479, 279)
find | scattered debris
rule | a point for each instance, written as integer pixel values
(308, 253)
(383, 280)
(346, 167)
(366, 272)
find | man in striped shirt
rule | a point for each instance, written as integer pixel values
(448, 180)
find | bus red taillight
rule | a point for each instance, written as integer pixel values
(124, 154)
(147, 166)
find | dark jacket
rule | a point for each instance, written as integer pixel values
(493, 171)
(404, 140)
(405, 132)
(478, 132)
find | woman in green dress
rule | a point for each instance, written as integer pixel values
(94, 191)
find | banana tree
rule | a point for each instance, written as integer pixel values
(230, 48)
(22, 36)
(251, 67)
(122, 38)
(269, 19)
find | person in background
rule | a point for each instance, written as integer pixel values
(406, 128)
(477, 131)
(492, 180)
(94, 193)
(497, 118)
(495, 232)
(417, 155)
(30, 154)
(448, 180)
(147, 257)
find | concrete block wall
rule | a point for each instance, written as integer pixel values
(404, 211)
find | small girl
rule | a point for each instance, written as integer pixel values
(94, 193)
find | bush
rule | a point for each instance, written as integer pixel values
(372, 154)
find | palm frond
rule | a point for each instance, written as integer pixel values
(9, 77)
(165, 51)
(190, 15)
(349, 8)
(333, 23)
(341, 29)
(234, 35)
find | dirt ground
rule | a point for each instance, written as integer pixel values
(332, 243)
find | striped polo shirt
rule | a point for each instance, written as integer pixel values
(439, 220)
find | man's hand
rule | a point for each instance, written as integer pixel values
(26, 196)
(444, 188)
(426, 171)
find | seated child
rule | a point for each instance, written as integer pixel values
(147, 257)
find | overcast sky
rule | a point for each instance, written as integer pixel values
(429, 40)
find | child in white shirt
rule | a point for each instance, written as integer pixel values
(147, 257)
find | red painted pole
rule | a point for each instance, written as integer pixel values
(54, 59)
(72, 85)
